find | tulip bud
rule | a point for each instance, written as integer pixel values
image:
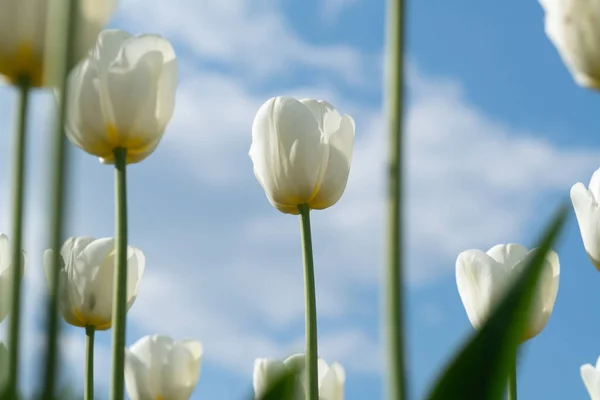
(483, 279)
(331, 378)
(157, 367)
(301, 151)
(87, 280)
(573, 27)
(585, 202)
(6, 273)
(24, 47)
(122, 96)
(591, 379)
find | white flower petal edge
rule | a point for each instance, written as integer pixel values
(587, 211)
(159, 367)
(574, 28)
(591, 379)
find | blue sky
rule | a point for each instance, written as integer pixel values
(497, 134)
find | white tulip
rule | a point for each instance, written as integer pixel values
(483, 278)
(87, 280)
(585, 202)
(23, 35)
(331, 378)
(573, 27)
(157, 367)
(6, 273)
(301, 151)
(122, 95)
(591, 379)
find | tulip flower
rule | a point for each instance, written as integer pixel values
(6, 275)
(301, 151)
(483, 278)
(157, 367)
(86, 280)
(585, 202)
(572, 25)
(331, 377)
(591, 379)
(23, 35)
(122, 96)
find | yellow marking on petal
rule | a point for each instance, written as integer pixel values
(159, 397)
(135, 145)
(82, 321)
(22, 63)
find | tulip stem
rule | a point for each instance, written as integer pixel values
(90, 331)
(393, 277)
(120, 283)
(18, 192)
(512, 383)
(59, 171)
(312, 375)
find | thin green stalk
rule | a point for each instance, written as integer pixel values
(512, 383)
(89, 362)
(393, 277)
(18, 192)
(120, 284)
(310, 298)
(59, 170)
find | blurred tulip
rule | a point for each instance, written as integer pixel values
(483, 278)
(301, 151)
(6, 274)
(87, 280)
(122, 95)
(157, 367)
(331, 378)
(591, 379)
(23, 35)
(573, 27)
(585, 202)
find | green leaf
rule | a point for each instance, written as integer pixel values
(284, 387)
(480, 369)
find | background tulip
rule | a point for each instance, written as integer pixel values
(331, 378)
(301, 151)
(23, 35)
(573, 27)
(585, 203)
(87, 282)
(483, 277)
(122, 95)
(591, 379)
(157, 367)
(6, 274)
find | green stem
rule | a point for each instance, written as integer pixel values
(120, 283)
(312, 374)
(59, 170)
(393, 278)
(18, 191)
(512, 383)
(89, 362)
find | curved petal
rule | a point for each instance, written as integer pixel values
(265, 373)
(594, 186)
(481, 281)
(181, 371)
(591, 380)
(588, 218)
(287, 152)
(508, 254)
(137, 381)
(331, 386)
(136, 263)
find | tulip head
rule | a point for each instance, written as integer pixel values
(585, 202)
(86, 278)
(6, 273)
(24, 26)
(484, 277)
(122, 95)
(590, 375)
(573, 27)
(301, 151)
(157, 367)
(331, 377)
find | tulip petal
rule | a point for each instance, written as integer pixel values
(594, 186)
(331, 385)
(588, 218)
(287, 152)
(508, 254)
(181, 372)
(136, 378)
(591, 380)
(481, 281)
